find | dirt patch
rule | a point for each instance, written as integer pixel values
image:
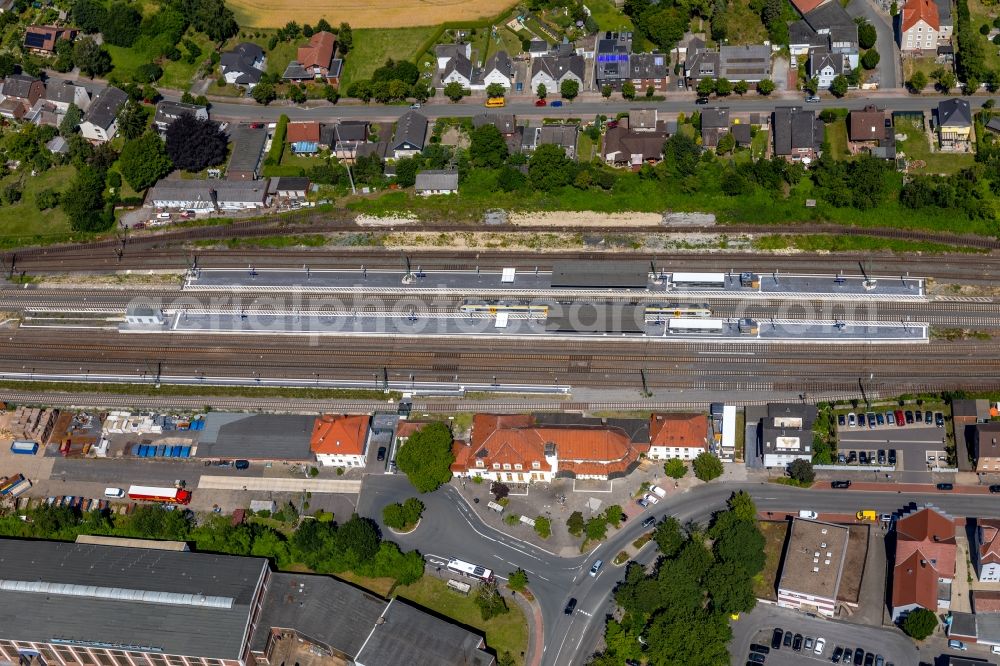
(586, 219)
(765, 583)
(854, 564)
(384, 221)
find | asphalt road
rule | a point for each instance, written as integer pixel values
(450, 529)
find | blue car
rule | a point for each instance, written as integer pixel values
(555, 102)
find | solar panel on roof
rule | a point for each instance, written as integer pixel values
(34, 40)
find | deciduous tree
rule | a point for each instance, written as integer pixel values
(487, 147)
(802, 471)
(675, 468)
(195, 144)
(919, 623)
(454, 91)
(765, 86)
(707, 467)
(144, 161)
(569, 89)
(426, 457)
(92, 59)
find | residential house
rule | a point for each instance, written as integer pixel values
(100, 122)
(681, 436)
(813, 566)
(243, 65)
(946, 25)
(919, 27)
(445, 52)
(315, 61)
(289, 188)
(411, 132)
(42, 39)
(537, 47)
(714, 123)
(735, 63)
(826, 66)
(868, 124)
(924, 564)
(517, 448)
(798, 133)
(560, 135)
(208, 196)
(965, 414)
(611, 64)
(498, 69)
(458, 70)
(247, 153)
(340, 440)
(986, 550)
(379, 149)
(20, 93)
(625, 146)
(61, 93)
(552, 71)
(506, 123)
(167, 112)
(303, 137)
(344, 137)
(433, 182)
(824, 25)
(954, 122)
(647, 70)
(57, 145)
(742, 133)
(786, 434)
(986, 449)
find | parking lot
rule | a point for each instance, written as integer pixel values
(918, 447)
(758, 625)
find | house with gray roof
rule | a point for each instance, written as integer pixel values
(411, 133)
(498, 69)
(62, 92)
(247, 153)
(100, 122)
(551, 71)
(445, 52)
(714, 123)
(648, 69)
(611, 63)
(736, 63)
(459, 70)
(208, 196)
(243, 65)
(798, 133)
(826, 66)
(564, 136)
(436, 182)
(167, 112)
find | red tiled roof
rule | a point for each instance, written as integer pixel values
(405, 429)
(339, 434)
(916, 10)
(319, 52)
(806, 6)
(985, 601)
(678, 430)
(462, 451)
(925, 551)
(989, 545)
(302, 131)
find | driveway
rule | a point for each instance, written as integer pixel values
(757, 625)
(890, 64)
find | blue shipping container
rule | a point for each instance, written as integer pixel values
(185, 452)
(137, 450)
(159, 450)
(24, 447)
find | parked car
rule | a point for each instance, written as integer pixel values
(642, 502)
(954, 644)
(797, 643)
(840, 484)
(928, 417)
(556, 103)
(871, 419)
(841, 420)
(241, 464)
(838, 652)
(909, 417)
(995, 488)
(841, 459)
(813, 99)
(852, 420)
(890, 418)
(776, 639)
(869, 659)
(763, 649)
(808, 514)
(892, 456)
(881, 456)
(880, 419)
(701, 100)
(918, 416)
(756, 658)
(570, 606)
(852, 457)
(859, 656)
(900, 420)
(939, 419)
(808, 645)
(862, 457)
(946, 486)
(861, 420)
(380, 455)
(415, 105)
(114, 492)
(652, 499)
(539, 102)
(787, 640)
(649, 522)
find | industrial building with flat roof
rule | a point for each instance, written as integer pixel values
(813, 566)
(139, 605)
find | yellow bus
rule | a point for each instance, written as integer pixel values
(495, 102)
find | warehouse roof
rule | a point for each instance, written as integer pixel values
(610, 274)
(256, 437)
(173, 602)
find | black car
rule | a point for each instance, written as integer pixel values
(840, 484)
(841, 420)
(862, 457)
(787, 641)
(928, 417)
(649, 522)
(859, 656)
(892, 456)
(939, 419)
(570, 606)
(852, 457)
(918, 416)
(995, 489)
(909, 416)
(869, 659)
(241, 464)
(701, 100)
(797, 643)
(380, 456)
(946, 486)
(881, 456)
(776, 639)
(763, 649)
(838, 652)
(756, 658)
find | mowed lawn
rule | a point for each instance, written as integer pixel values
(916, 147)
(607, 16)
(176, 74)
(22, 223)
(363, 13)
(372, 48)
(836, 135)
(505, 633)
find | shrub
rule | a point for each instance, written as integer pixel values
(575, 523)
(543, 527)
(675, 468)
(512, 519)
(499, 490)
(919, 623)
(313, 472)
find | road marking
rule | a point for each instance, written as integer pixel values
(585, 613)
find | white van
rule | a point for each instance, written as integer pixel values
(660, 492)
(807, 514)
(114, 493)
(596, 568)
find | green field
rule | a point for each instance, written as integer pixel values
(607, 16)
(506, 633)
(176, 74)
(22, 223)
(372, 47)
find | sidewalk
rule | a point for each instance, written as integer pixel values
(536, 629)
